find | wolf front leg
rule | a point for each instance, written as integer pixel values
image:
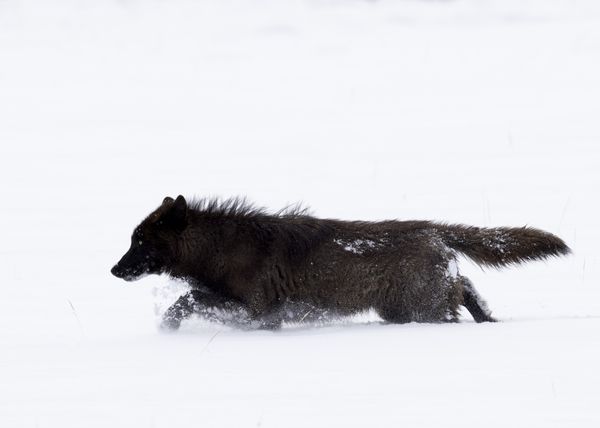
(178, 311)
(211, 307)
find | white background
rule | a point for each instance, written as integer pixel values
(483, 112)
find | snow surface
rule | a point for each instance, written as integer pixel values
(484, 112)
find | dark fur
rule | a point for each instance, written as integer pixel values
(257, 269)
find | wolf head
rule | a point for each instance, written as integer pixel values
(154, 242)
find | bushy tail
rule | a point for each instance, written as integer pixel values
(503, 246)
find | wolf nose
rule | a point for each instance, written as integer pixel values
(116, 271)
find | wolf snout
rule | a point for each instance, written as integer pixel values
(123, 273)
(128, 273)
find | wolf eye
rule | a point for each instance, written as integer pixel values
(140, 242)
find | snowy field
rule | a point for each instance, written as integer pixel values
(484, 112)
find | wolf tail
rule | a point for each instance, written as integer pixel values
(502, 246)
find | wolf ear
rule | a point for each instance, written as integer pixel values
(168, 200)
(180, 203)
(177, 213)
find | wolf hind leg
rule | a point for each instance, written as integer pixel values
(474, 303)
(428, 299)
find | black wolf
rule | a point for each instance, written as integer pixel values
(255, 269)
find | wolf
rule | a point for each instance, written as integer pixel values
(254, 269)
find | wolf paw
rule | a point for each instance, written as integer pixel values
(170, 324)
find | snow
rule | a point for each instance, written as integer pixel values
(452, 269)
(358, 246)
(482, 112)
